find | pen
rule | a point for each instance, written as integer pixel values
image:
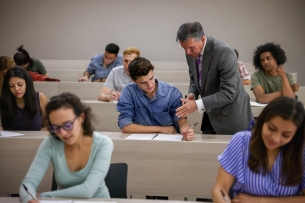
(26, 189)
(193, 126)
(224, 196)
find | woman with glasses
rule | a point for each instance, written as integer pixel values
(267, 165)
(80, 156)
(21, 107)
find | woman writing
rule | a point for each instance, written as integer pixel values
(266, 165)
(21, 107)
(80, 156)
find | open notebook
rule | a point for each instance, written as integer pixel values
(166, 137)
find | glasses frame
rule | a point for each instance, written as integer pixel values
(51, 129)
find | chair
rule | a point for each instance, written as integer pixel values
(115, 180)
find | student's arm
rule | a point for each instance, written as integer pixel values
(85, 77)
(224, 181)
(184, 126)
(106, 93)
(246, 82)
(43, 100)
(36, 171)
(287, 90)
(263, 98)
(94, 179)
(136, 128)
(41, 69)
(243, 198)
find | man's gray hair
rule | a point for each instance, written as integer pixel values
(190, 30)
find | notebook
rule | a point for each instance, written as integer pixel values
(166, 137)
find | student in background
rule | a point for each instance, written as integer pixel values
(6, 62)
(80, 156)
(102, 64)
(23, 59)
(148, 105)
(271, 80)
(21, 107)
(267, 164)
(243, 72)
(118, 77)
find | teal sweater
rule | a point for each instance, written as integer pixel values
(86, 183)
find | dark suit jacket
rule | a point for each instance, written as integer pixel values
(224, 97)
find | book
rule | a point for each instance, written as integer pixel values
(164, 137)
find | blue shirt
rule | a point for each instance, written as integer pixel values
(234, 160)
(136, 107)
(96, 66)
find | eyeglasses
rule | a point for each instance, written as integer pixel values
(67, 126)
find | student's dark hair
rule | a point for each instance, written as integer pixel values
(275, 49)
(112, 48)
(8, 100)
(138, 67)
(22, 57)
(292, 165)
(236, 52)
(68, 100)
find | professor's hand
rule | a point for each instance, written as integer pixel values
(189, 106)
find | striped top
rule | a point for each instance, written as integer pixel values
(234, 160)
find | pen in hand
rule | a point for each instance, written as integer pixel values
(193, 125)
(224, 196)
(26, 189)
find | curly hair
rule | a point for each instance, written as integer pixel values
(69, 100)
(275, 49)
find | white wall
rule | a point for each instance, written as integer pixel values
(78, 29)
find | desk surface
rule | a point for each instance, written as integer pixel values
(17, 200)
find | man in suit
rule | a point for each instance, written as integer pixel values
(213, 75)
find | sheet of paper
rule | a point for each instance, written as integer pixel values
(55, 201)
(8, 134)
(257, 104)
(140, 136)
(167, 137)
(91, 202)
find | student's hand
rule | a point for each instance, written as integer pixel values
(113, 96)
(281, 71)
(168, 129)
(295, 87)
(33, 201)
(1, 128)
(188, 134)
(243, 198)
(189, 106)
(100, 80)
(83, 79)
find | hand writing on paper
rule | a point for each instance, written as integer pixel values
(188, 134)
(113, 96)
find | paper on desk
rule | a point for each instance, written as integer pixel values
(257, 104)
(166, 137)
(140, 137)
(55, 201)
(8, 134)
(91, 202)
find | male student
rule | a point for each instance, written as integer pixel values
(214, 76)
(148, 105)
(102, 64)
(118, 77)
(271, 80)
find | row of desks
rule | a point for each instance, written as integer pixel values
(155, 168)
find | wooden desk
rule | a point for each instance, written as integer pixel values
(155, 168)
(17, 200)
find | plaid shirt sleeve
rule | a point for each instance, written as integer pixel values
(243, 72)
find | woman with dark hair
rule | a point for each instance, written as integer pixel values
(267, 165)
(23, 59)
(80, 156)
(6, 62)
(21, 107)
